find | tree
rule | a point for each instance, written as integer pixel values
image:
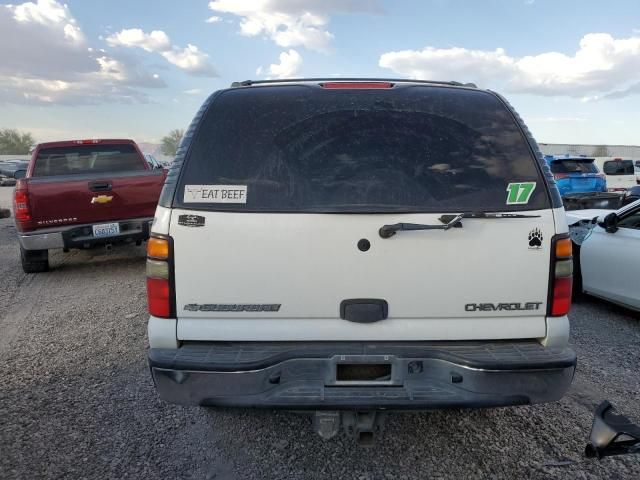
(13, 142)
(600, 151)
(171, 142)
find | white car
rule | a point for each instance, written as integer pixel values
(619, 173)
(606, 258)
(356, 246)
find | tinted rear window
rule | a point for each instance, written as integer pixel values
(87, 159)
(306, 149)
(619, 167)
(574, 166)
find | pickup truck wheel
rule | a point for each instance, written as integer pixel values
(34, 261)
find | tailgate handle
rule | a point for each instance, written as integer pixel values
(100, 186)
(364, 310)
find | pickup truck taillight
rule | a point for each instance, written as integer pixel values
(21, 209)
(160, 284)
(561, 281)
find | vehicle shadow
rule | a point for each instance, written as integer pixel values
(87, 260)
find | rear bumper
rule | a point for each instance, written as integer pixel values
(302, 375)
(81, 236)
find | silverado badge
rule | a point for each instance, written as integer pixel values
(101, 199)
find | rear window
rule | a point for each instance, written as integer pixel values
(80, 159)
(574, 166)
(307, 149)
(619, 167)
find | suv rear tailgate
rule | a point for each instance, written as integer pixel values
(308, 264)
(266, 225)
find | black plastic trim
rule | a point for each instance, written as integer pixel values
(364, 310)
(245, 356)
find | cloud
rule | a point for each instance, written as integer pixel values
(601, 65)
(448, 64)
(213, 19)
(289, 66)
(556, 120)
(291, 23)
(156, 41)
(46, 59)
(189, 59)
(192, 91)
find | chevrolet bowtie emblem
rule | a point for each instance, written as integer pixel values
(101, 199)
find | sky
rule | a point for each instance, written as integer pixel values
(139, 68)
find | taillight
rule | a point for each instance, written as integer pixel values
(558, 176)
(160, 287)
(561, 282)
(21, 209)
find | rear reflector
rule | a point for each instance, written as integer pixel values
(561, 296)
(158, 296)
(356, 85)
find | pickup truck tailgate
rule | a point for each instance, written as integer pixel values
(79, 199)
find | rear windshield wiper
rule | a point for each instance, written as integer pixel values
(448, 221)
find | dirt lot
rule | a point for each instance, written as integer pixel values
(77, 401)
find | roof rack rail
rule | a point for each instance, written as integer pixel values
(248, 83)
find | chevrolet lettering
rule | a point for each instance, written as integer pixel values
(499, 307)
(232, 307)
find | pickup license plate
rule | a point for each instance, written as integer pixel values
(106, 230)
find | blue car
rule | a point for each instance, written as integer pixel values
(576, 174)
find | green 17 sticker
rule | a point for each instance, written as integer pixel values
(520, 193)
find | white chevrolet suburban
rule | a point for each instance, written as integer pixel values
(353, 246)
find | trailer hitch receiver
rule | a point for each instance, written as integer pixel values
(364, 427)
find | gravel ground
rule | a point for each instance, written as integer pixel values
(77, 401)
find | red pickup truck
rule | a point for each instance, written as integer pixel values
(83, 193)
